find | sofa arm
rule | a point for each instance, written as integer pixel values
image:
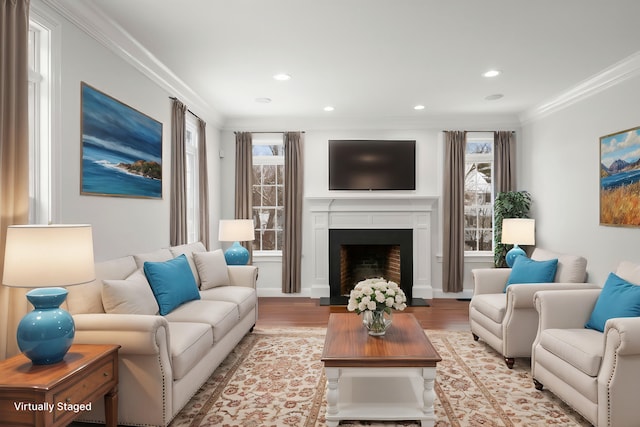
(626, 331)
(490, 280)
(136, 333)
(521, 295)
(565, 309)
(243, 275)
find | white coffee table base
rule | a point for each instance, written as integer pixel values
(380, 394)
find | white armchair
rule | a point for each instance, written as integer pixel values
(596, 373)
(507, 321)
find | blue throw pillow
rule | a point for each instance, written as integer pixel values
(618, 298)
(172, 283)
(526, 270)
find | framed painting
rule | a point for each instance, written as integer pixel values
(121, 148)
(620, 178)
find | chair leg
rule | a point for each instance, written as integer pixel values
(475, 337)
(537, 384)
(509, 361)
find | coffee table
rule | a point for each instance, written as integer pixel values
(379, 378)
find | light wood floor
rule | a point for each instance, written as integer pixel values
(448, 314)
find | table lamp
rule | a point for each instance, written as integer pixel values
(517, 231)
(236, 230)
(47, 257)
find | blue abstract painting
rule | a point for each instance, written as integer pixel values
(121, 148)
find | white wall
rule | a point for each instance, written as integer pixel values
(120, 225)
(560, 165)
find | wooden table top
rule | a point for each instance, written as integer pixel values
(347, 344)
(18, 371)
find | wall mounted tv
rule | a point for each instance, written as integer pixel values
(372, 165)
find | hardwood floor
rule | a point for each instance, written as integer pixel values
(448, 314)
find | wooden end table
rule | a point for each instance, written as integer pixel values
(54, 395)
(379, 378)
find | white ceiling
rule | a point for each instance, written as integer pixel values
(375, 59)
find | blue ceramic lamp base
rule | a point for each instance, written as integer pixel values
(511, 256)
(46, 333)
(236, 255)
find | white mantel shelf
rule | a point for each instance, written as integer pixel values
(373, 211)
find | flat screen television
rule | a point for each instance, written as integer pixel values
(372, 165)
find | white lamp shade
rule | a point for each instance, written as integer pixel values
(39, 256)
(519, 231)
(236, 230)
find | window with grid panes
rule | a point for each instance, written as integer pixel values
(478, 193)
(192, 171)
(268, 192)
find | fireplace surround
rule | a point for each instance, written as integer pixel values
(372, 212)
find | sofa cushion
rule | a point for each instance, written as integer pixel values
(571, 268)
(244, 297)
(629, 271)
(130, 296)
(618, 298)
(212, 269)
(526, 270)
(188, 250)
(491, 305)
(581, 348)
(189, 343)
(87, 298)
(221, 316)
(156, 256)
(172, 283)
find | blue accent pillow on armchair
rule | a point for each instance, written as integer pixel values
(172, 283)
(526, 270)
(618, 298)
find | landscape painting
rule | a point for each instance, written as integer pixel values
(121, 148)
(620, 178)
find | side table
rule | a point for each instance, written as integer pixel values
(54, 395)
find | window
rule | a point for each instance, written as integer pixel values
(478, 193)
(192, 136)
(268, 191)
(40, 89)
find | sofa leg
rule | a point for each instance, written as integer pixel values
(251, 330)
(475, 337)
(537, 384)
(509, 361)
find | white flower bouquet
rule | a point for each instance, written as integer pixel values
(376, 295)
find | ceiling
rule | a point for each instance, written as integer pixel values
(374, 59)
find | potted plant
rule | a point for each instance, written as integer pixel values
(509, 204)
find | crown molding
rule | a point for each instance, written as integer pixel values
(107, 32)
(609, 77)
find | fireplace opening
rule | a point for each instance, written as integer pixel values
(359, 254)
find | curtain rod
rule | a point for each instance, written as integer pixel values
(271, 131)
(513, 131)
(191, 112)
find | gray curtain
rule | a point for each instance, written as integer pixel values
(453, 211)
(244, 181)
(14, 154)
(293, 194)
(178, 210)
(504, 148)
(203, 184)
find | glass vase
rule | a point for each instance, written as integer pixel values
(377, 321)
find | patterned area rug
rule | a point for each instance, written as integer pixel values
(275, 378)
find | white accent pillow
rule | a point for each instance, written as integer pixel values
(130, 296)
(212, 269)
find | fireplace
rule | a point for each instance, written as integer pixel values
(359, 254)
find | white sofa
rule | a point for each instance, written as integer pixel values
(597, 373)
(507, 321)
(163, 359)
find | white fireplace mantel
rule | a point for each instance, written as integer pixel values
(372, 212)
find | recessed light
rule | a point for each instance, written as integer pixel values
(419, 107)
(492, 73)
(328, 108)
(283, 77)
(263, 100)
(494, 97)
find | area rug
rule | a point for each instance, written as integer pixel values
(274, 378)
